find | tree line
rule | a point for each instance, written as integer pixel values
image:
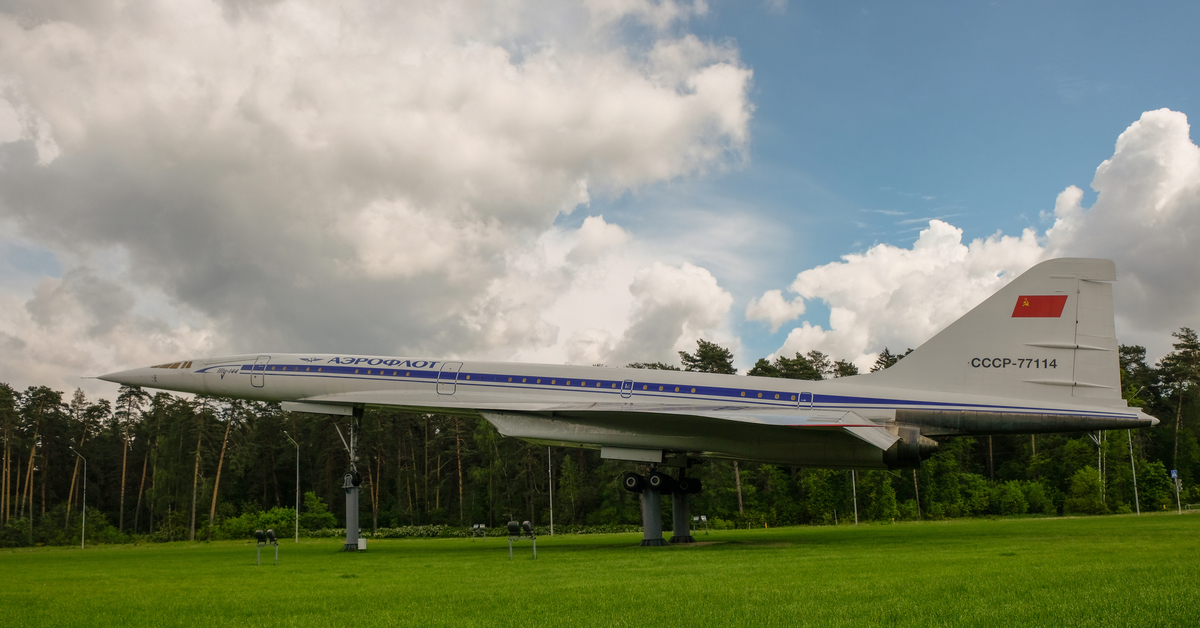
(163, 467)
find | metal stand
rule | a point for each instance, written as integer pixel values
(513, 539)
(351, 513)
(350, 483)
(651, 518)
(518, 532)
(266, 538)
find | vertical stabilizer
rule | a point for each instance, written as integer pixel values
(1049, 334)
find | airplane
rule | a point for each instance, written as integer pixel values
(1038, 356)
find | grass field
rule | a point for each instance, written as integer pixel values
(1103, 571)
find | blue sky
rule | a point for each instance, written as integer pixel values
(871, 118)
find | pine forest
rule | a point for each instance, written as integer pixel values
(161, 467)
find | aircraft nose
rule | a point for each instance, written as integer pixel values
(132, 377)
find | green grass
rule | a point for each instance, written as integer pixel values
(1103, 571)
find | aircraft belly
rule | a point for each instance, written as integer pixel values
(817, 447)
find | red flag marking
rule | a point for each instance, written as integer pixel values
(1040, 306)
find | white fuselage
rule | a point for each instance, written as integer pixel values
(813, 423)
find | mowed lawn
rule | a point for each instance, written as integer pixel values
(1102, 571)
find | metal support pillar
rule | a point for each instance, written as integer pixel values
(681, 519)
(351, 513)
(350, 483)
(651, 518)
(681, 516)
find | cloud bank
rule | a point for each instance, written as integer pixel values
(367, 177)
(202, 177)
(1146, 217)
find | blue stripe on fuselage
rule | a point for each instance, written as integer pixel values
(675, 392)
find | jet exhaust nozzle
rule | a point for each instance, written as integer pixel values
(910, 450)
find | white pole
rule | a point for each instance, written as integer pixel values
(854, 488)
(1133, 470)
(83, 520)
(1099, 440)
(550, 473)
(289, 437)
(83, 528)
(297, 495)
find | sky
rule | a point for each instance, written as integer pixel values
(592, 182)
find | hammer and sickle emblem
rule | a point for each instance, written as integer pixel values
(1026, 303)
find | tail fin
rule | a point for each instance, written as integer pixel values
(1047, 335)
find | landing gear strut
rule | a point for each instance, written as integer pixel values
(651, 518)
(652, 487)
(681, 517)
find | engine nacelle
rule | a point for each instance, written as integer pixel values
(910, 450)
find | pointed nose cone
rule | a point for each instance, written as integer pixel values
(132, 377)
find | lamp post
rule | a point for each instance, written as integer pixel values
(1132, 468)
(550, 475)
(854, 488)
(83, 524)
(289, 437)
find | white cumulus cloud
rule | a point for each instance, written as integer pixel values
(672, 307)
(1146, 218)
(358, 176)
(896, 297)
(774, 309)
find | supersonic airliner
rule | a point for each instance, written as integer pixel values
(1038, 356)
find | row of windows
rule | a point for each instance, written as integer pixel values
(538, 380)
(321, 369)
(662, 388)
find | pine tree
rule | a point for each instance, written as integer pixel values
(653, 366)
(130, 400)
(709, 358)
(8, 428)
(843, 368)
(569, 487)
(800, 367)
(1181, 368)
(887, 358)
